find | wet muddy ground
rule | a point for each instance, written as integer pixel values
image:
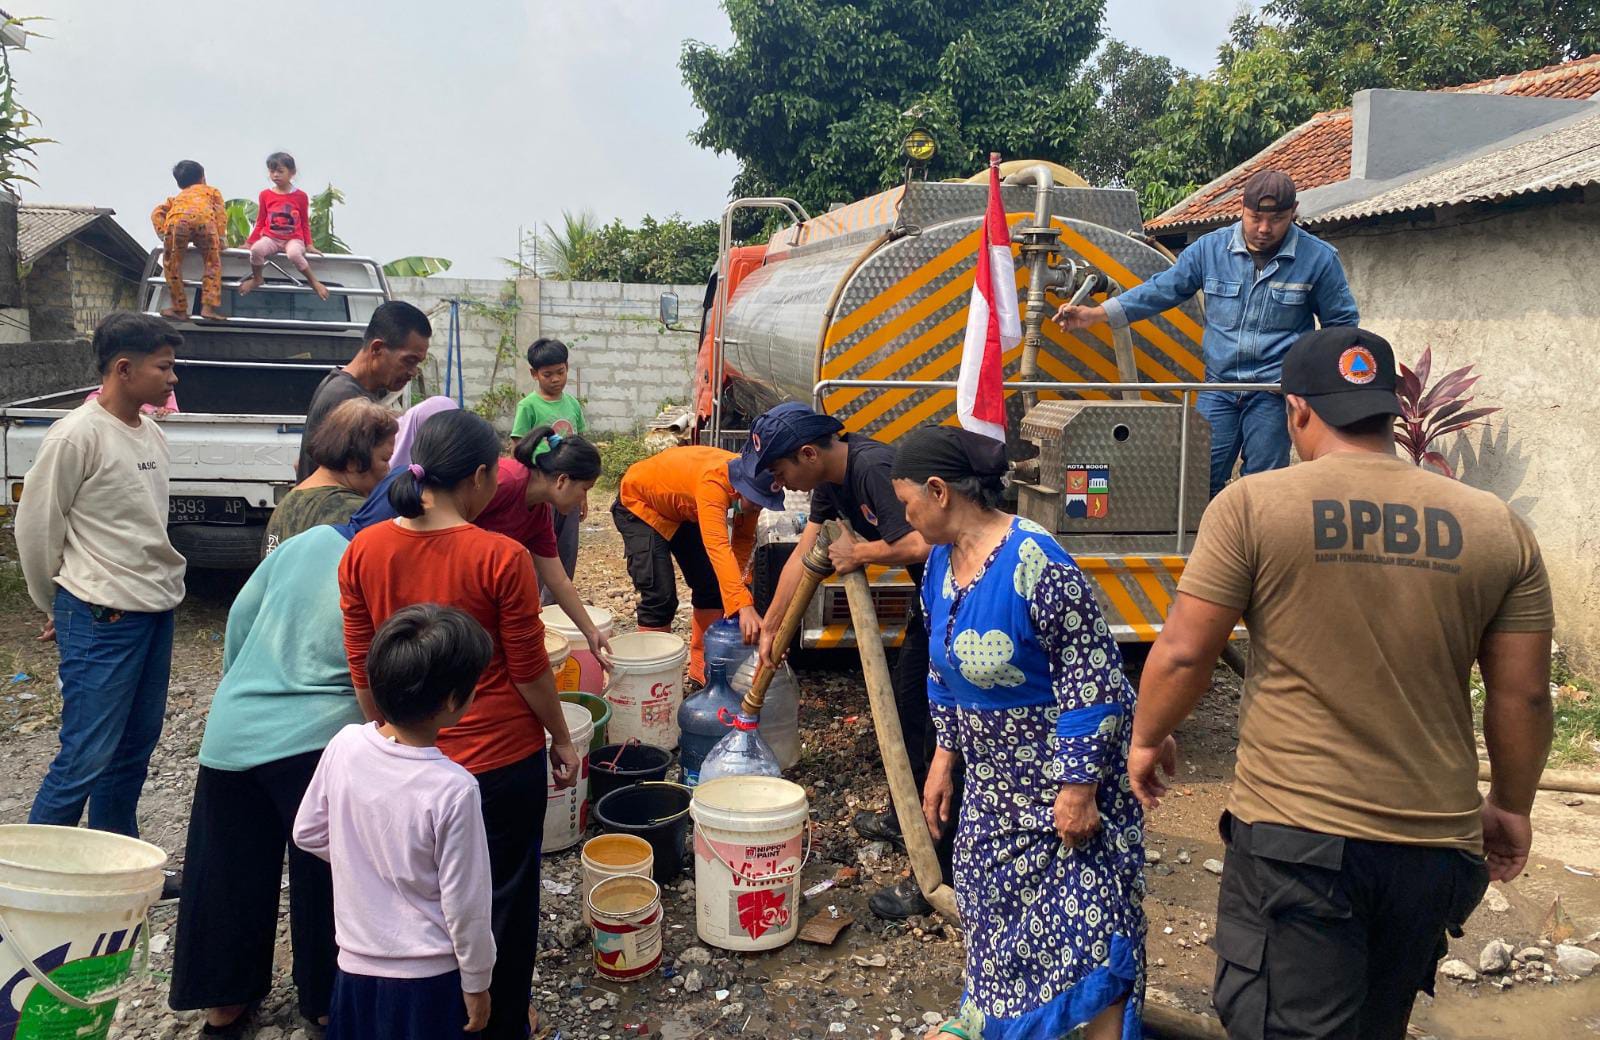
(877, 979)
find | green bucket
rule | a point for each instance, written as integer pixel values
(599, 710)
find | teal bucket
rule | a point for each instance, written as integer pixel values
(599, 709)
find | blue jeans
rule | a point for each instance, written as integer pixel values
(1256, 422)
(113, 698)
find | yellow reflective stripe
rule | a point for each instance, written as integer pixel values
(831, 636)
(888, 366)
(849, 323)
(1143, 573)
(937, 399)
(1126, 278)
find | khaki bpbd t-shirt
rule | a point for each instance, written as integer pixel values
(1366, 584)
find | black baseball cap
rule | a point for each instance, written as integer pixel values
(1344, 373)
(1269, 184)
(784, 429)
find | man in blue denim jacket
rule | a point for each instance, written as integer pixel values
(1265, 280)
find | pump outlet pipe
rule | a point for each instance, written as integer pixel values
(818, 566)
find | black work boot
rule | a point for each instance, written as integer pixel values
(899, 901)
(880, 826)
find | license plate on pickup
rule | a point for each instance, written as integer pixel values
(198, 510)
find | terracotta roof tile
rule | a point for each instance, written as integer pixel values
(1317, 152)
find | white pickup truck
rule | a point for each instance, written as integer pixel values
(243, 386)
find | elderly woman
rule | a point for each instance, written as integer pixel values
(351, 449)
(1027, 692)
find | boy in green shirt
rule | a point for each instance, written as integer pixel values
(551, 405)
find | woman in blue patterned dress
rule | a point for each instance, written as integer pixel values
(1027, 691)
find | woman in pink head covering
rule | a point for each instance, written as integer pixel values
(411, 422)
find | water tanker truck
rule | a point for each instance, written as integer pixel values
(861, 312)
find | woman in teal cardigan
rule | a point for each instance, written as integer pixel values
(285, 692)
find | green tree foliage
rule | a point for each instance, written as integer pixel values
(241, 218)
(671, 251)
(815, 96)
(323, 239)
(1131, 90)
(1302, 56)
(17, 140)
(557, 250)
(1350, 45)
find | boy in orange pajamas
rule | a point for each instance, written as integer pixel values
(196, 214)
(674, 506)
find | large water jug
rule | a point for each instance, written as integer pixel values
(780, 713)
(699, 727)
(726, 646)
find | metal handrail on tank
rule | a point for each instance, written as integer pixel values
(1184, 390)
(724, 253)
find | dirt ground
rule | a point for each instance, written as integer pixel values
(878, 979)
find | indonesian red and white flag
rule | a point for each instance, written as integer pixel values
(993, 324)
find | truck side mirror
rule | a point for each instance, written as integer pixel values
(669, 310)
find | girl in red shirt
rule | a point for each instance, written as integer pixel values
(283, 225)
(435, 554)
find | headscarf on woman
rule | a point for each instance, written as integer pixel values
(949, 453)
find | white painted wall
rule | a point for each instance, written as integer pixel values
(1518, 297)
(624, 365)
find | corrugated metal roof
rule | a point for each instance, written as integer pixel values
(42, 228)
(1317, 152)
(1566, 157)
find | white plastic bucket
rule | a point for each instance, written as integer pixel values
(613, 855)
(558, 648)
(749, 848)
(582, 670)
(72, 925)
(625, 915)
(646, 687)
(566, 812)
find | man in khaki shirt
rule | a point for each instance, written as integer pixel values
(1355, 832)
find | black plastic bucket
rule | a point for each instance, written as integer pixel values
(634, 764)
(656, 811)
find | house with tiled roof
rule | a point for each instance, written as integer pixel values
(1467, 221)
(78, 265)
(1319, 151)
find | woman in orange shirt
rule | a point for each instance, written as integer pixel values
(674, 506)
(434, 554)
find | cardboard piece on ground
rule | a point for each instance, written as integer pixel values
(823, 929)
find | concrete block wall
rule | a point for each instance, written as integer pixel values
(624, 365)
(42, 367)
(98, 287)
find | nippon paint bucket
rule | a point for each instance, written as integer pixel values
(613, 855)
(582, 671)
(566, 812)
(625, 916)
(72, 927)
(749, 848)
(646, 687)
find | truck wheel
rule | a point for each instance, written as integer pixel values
(219, 546)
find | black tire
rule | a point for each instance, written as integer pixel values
(219, 546)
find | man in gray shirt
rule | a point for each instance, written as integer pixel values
(392, 349)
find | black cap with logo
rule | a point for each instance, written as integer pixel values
(1344, 373)
(1269, 184)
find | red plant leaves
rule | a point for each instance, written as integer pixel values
(1431, 412)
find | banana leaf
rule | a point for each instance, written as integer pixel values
(416, 266)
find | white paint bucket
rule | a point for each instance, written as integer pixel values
(613, 855)
(72, 925)
(558, 648)
(566, 812)
(582, 670)
(625, 916)
(646, 687)
(749, 849)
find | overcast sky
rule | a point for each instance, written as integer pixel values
(445, 125)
